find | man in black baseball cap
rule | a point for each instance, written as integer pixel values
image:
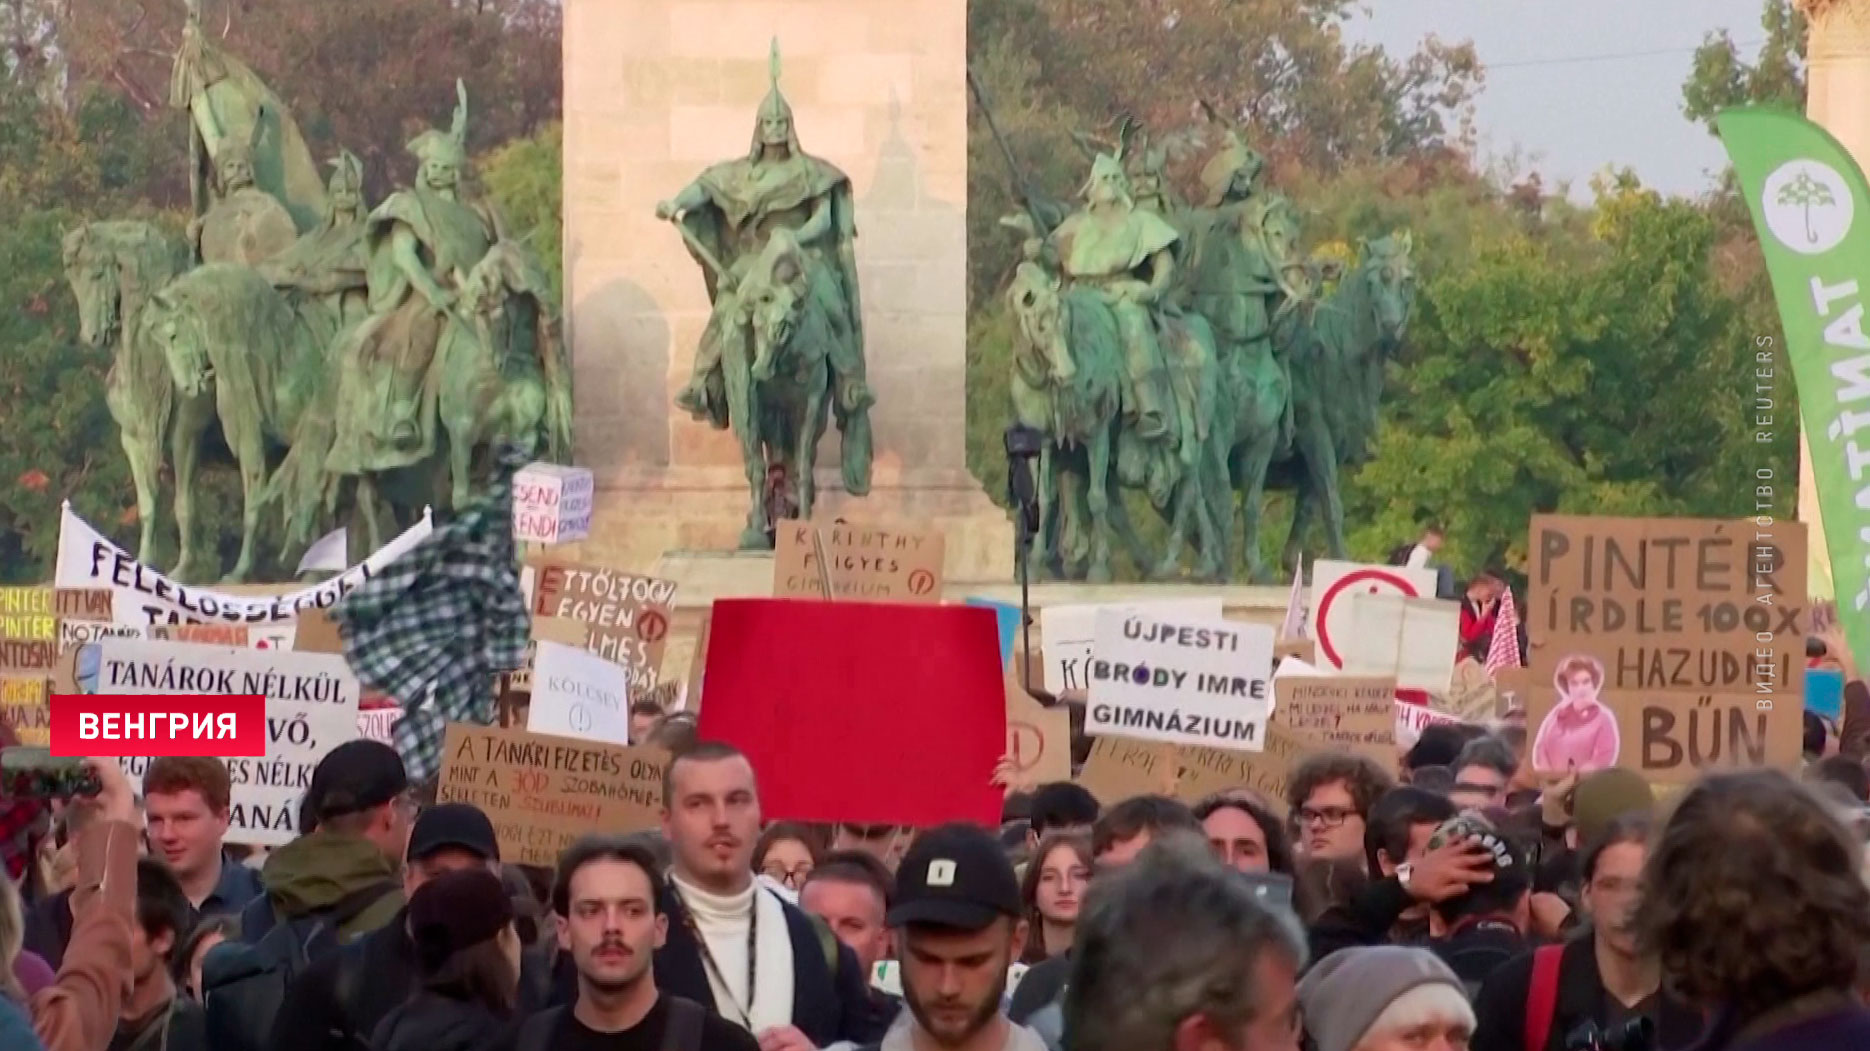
(958, 925)
(337, 1003)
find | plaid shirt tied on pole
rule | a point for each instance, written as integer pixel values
(436, 626)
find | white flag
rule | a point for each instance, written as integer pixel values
(1294, 625)
(328, 554)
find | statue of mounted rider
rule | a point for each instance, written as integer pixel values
(336, 345)
(1265, 379)
(774, 233)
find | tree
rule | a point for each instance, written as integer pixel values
(1721, 78)
(525, 179)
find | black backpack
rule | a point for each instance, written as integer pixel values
(243, 984)
(683, 1033)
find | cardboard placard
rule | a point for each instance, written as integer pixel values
(1038, 739)
(23, 707)
(1118, 769)
(1471, 694)
(1668, 646)
(201, 634)
(542, 792)
(1298, 649)
(1201, 772)
(79, 632)
(28, 614)
(1412, 719)
(1182, 680)
(29, 657)
(698, 663)
(82, 603)
(627, 616)
(868, 563)
(317, 633)
(1342, 712)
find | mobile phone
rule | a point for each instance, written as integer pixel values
(35, 773)
(1272, 889)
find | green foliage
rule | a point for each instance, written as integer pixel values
(1721, 78)
(524, 178)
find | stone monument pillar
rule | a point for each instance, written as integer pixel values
(655, 90)
(1837, 98)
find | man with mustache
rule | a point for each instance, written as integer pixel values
(957, 919)
(733, 945)
(610, 924)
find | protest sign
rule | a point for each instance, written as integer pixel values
(1038, 739)
(28, 614)
(1119, 768)
(542, 792)
(78, 632)
(1515, 686)
(1296, 649)
(1412, 719)
(860, 712)
(698, 663)
(1471, 694)
(1668, 646)
(1411, 640)
(1010, 620)
(201, 634)
(552, 504)
(82, 603)
(1069, 632)
(375, 723)
(1347, 713)
(316, 632)
(28, 656)
(1184, 681)
(1334, 586)
(23, 707)
(1201, 772)
(627, 617)
(873, 563)
(579, 694)
(143, 595)
(311, 708)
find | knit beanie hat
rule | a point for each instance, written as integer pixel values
(1606, 795)
(1345, 993)
(456, 911)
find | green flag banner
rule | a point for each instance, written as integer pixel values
(1806, 195)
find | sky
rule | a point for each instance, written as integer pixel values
(1578, 86)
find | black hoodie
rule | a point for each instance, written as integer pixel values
(431, 1022)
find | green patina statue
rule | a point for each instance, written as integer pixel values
(774, 233)
(1188, 351)
(392, 345)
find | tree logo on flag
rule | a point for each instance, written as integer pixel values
(1807, 206)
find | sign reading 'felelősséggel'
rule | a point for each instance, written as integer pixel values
(1186, 681)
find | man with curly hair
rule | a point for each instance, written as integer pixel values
(1330, 796)
(1756, 907)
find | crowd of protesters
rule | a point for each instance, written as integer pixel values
(1451, 902)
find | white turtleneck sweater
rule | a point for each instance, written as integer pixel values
(722, 921)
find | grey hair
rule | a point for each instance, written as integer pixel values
(1171, 936)
(1490, 752)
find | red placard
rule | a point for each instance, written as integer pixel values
(866, 713)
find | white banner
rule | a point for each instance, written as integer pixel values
(1184, 681)
(143, 595)
(311, 708)
(578, 694)
(1066, 634)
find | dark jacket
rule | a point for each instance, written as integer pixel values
(342, 998)
(826, 1008)
(1854, 733)
(313, 873)
(428, 1022)
(1824, 1022)
(180, 1026)
(1044, 983)
(1475, 951)
(1500, 1007)
(1371, 917)
(48, 928)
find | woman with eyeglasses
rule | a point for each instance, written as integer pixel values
(787, 852)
